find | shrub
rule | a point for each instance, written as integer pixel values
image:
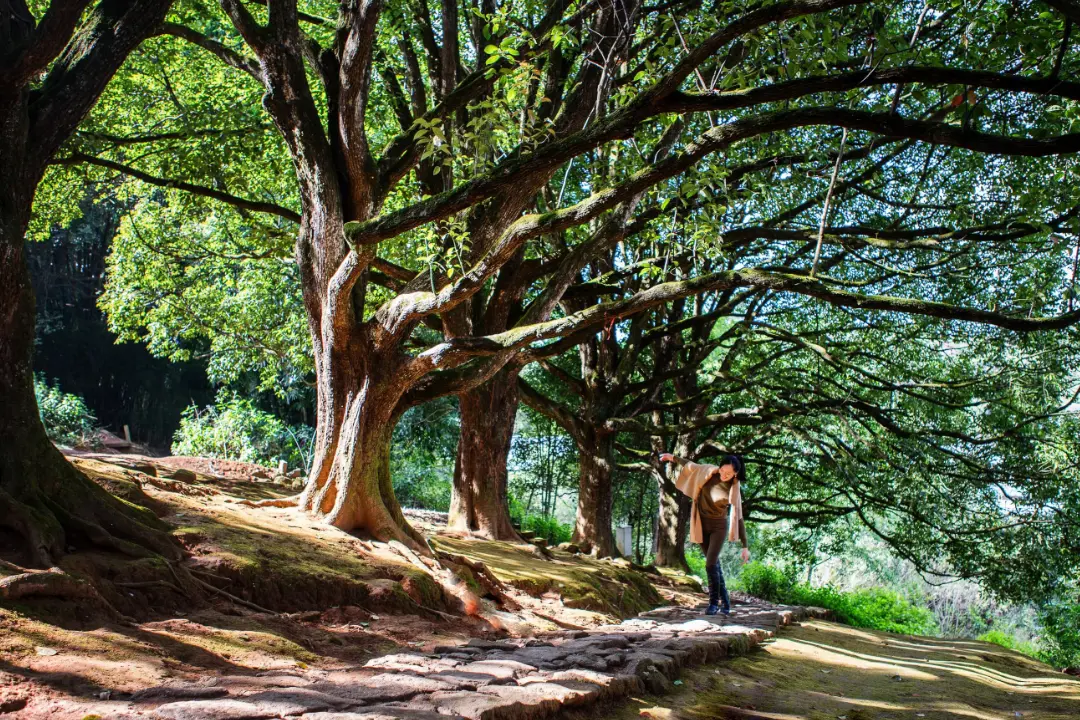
(423, 455)
(547, 527)
(234, 429)
(765, 581)
(419, 485)
(1007, 640)
(876, 608)
(1059, 643)
(695, 560)
(66, 418)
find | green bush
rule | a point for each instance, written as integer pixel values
(543, 526)
(66, 418)
(876, 608)
(234, 429)
(1059, 643)
(765, 581)
(423, 455)
(548, 528)
(421, 486)
(1007, 640)
(695, 560)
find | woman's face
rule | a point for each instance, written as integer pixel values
(727, 473)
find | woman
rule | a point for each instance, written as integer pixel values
(714, 489)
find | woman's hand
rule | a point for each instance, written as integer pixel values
(745, 555)
(667, 457)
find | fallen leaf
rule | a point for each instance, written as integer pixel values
(46, 650)
(660, 713)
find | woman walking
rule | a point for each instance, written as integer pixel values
(715, 491)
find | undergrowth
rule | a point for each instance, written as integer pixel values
(1058, 643)
(66, 417)
(876, 608)
(547, 527)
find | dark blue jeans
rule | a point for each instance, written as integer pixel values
(714, 535)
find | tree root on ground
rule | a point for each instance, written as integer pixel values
(53, 582)
(288, 502)
(406, 552)
(174, 486)
(556, 621)
(229, 596)
(491, 584)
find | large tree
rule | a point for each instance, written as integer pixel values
(55, 61)
(435, 263)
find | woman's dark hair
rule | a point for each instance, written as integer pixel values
(736, 464)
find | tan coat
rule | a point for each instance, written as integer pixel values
(691, 479)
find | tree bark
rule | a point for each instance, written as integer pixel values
(671, 526)
(596, 462)
(350, 485)
(46, 505)
(479, 497)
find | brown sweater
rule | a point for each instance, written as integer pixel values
(714, 506)
(691, 481)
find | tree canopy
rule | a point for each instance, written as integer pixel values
(834, 235)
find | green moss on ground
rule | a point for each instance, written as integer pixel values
(583, 582)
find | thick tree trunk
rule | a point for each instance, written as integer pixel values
(478, 502)
(671, 527)
(349, 485)
(46, 505)
(596, 462)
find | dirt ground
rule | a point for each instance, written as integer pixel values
(282, 591)
(825, 671)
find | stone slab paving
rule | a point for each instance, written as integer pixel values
(519, 679)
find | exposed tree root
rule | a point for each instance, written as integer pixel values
(406, 552)
(445, 576)
(53, 582)
(64, 508)
(174, 486)
(233, 598)
(491, 584)
(432, 611)
(289, 502)
(42, 535)
(149, 583)
(556, 621)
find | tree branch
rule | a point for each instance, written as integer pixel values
(227, 55)
(239, 202)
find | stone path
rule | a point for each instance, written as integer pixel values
(518, 679)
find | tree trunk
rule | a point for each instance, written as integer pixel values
(46, 505)
(671, 527)
(478, 502)
(349, 485)
(592, 531)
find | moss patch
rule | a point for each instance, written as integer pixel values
(237, 647)
(584, 583)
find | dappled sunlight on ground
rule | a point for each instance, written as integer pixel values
(338, 599)
(825, 671)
